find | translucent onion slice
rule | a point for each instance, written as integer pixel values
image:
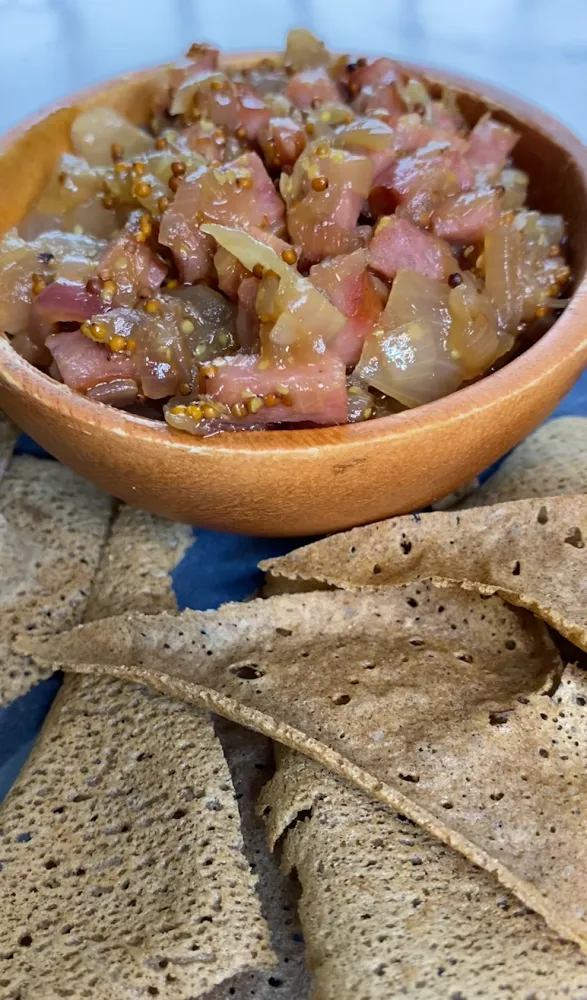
(515, 185)
(304, 51)
(503, 262)
(545, 229)
(474, 339)
(407, 357)
(416, 97)
(94, 132)
(367, 133)
(312, 310)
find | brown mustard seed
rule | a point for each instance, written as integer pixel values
(289, 256)
(455, 280)
(117, 343)
(258, 271)
(116, 152)
(141, 189)
(319, 183)
(541, 312)
(161, 143)
(178, 168)
(254, 404)
(163, 204)
(184, 389)
(270, 399)
(173, 183)
(138, 169)
(94, 286)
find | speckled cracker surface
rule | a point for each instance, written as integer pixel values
(122, 865)
(134, 881)
(8, 437)
(134, 573)
(531, 552)
(53, 526)
(551, 462)
(387, 911)
(434, 701)
(250, 760)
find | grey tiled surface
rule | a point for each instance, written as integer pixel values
(537, 48)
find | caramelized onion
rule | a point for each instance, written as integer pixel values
(94, 132)
(407, 357)
(473, 339)
(121, 392)
(310, 312)
(304, 51)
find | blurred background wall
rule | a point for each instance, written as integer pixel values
(537, 48)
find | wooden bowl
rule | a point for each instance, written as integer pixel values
(302, 482)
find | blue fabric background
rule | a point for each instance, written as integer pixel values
(217, 569)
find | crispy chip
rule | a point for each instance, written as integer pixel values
(388, 911)
(8, 437)
(122, 866)
(551, 462)
(531, 552)
(250, 759)
(435, 702)
(135, 850)
(52, 528)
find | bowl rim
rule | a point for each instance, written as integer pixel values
(538, 362)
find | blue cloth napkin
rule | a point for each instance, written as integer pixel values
(219, 568)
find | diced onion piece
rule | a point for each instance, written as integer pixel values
(121, 392)
(198, 79)
(415, 96)
(515, 185)
(547, 229)
(502, 263)
(94, 132)
(474, 340)
(304, 51)
(312, 310)
(407, 357)
(371, 134)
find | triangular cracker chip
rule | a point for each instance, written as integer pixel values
(147, 891)
(122, 866)
(251, 763)
(551, 462)
(53, 526)
(8, 438)
(388, 911)
(531, 552)
(435, 702)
